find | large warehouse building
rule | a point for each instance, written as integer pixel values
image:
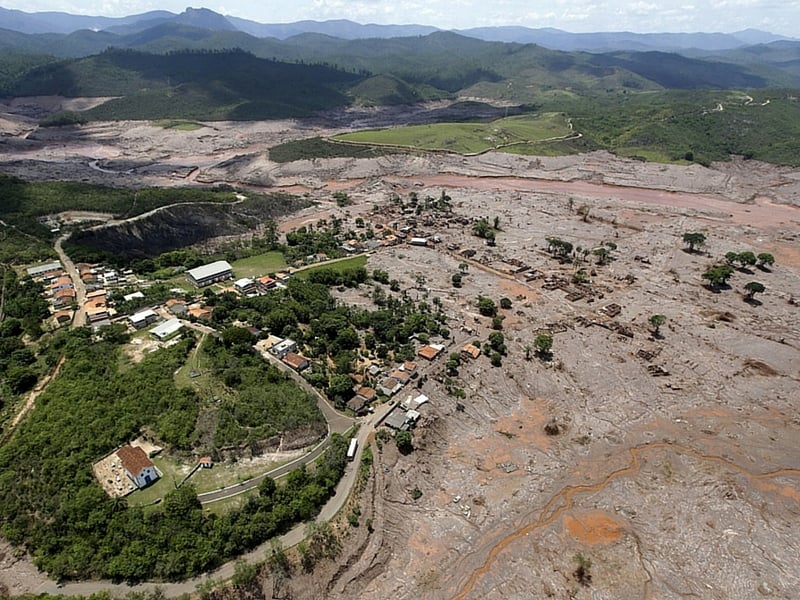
(210, 273)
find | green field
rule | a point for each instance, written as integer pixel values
(259, 265)
(334, 265)
(468, 138)
(179, 125)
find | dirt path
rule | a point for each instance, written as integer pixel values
(563, 501)
(31, 400)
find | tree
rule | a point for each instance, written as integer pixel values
(481, 228)
(765, 259)
(558, 247)
(602, 255)
(731, 257)
(486, 306)
(753, 288)
(583, 573)
(456, 279)
(746, 259)
(657, 321)
(543, 345)
(497, 322)
(497, 342)
(694, 240)
(718, 275)
(404, 441)
(505, 303)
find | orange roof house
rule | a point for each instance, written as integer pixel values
(138, 467)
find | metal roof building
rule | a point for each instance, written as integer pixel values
(210, 273)
(163, 330)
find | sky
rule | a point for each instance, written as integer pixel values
(643, 16)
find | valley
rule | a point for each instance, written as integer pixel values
(625, 462)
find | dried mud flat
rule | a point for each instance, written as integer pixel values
(680, 485)
(674, 486)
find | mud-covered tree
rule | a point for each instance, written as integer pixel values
(558, 247)
(583, 573)
(544, 345)
(694, 240)
(718, 275)
(752, 288)
(656, 321)
(602, 255)
(765, 259)
(746, 259)
(486, 306)
(404, 441)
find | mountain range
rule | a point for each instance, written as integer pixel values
(555, 39)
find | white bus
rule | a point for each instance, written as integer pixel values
(351, 451)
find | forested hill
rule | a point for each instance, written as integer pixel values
(230, 84)
(445, 60)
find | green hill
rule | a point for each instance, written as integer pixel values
(210, 85)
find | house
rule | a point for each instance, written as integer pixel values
(167, 328)
(396, 420)
(96, 314)
(430, 351)
(205, 462)
(175, 306)
(410, 367)
(414, 403)
(62, 316)
(202, 313)
(245, 286)
(61, 283)
(374, 370)
(143, 318)
(401, 376)
(367, 393)
(266, 283)
(358, 405)
(64, 297)
(220, 270)
(470, 351)
(296, 361)
(284, 347)
(418, 241)
(389, 386)
(270, 342)
(139, 469)
(132, 296)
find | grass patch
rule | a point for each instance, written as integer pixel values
(179, 125)
(260, 264)
(468, 138)
(317, 147)
(339, 266)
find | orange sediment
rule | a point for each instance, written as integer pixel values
(563, 500)
(593, 527)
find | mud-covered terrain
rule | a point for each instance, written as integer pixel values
(627, 465)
